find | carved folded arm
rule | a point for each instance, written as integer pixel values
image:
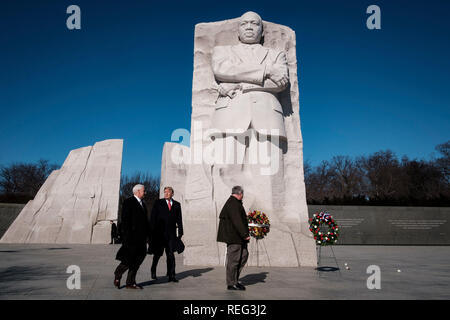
(282, 62)
(228, 70)
(278, 78)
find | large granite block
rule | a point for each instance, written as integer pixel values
(76, 202)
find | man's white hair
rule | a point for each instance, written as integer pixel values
(137, 187)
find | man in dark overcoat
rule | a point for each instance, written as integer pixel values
(164, 221)
(233, 230)
(135, 234)
(114, 233)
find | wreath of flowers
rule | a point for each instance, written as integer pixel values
(258, 224)
(315, 224)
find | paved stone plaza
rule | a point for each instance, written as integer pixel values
(39, 272)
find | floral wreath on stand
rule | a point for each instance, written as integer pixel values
(258, 224)
(317, 222)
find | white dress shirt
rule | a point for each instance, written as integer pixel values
(140, 201)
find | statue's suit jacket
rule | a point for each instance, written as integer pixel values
(256, 104)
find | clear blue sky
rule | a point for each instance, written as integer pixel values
(128, 74)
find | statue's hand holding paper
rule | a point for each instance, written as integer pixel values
(229, 89)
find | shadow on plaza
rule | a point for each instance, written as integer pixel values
(254, 278)
(180, 276)
(11, 277)
(327, 269)
(33, 249)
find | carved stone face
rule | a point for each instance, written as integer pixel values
(250, 28)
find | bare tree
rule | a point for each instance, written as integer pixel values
(19, 182)
(317, 183)
(380, 179)
(150, 182)
(443, 163)
(382, 174)
(346, 178)
(424, 181)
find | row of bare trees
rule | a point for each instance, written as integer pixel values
(20, 182)
(381, 179)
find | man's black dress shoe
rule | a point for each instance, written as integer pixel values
(240, 286)
(235, 287)
(154, 275)
(117, 283)
(133, 286)
(172, 279)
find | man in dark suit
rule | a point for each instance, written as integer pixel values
(135, 233)
(233, 230)
(114, 233)
(164, 220)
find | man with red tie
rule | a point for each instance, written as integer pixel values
(164, 221)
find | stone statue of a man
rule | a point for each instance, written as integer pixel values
(248, 115)
(249, 77)
(244, 108)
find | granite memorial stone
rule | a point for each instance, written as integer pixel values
(245, 130)
(76, 202)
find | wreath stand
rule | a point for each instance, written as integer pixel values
(257, 240)
(319, 258)
(257, 253)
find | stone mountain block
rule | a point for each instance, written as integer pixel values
(76, 202)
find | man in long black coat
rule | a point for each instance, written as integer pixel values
(164, 220)
(135, 233)
(114, 233)
(233, 230)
